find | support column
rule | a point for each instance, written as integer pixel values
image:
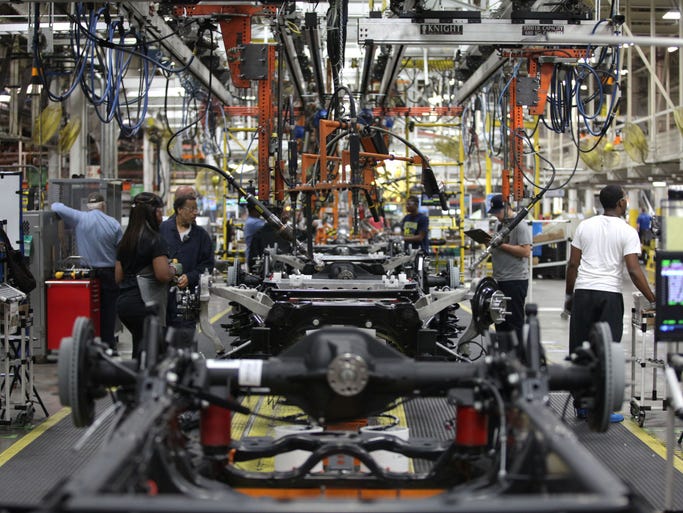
(660, 194)
(165, 168)
(633, 206)
(547, 207)
(572, 202)
(148, 163)
(78, 154)
(109, 150)
(588, 202)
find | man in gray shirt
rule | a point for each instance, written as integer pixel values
(510, 263)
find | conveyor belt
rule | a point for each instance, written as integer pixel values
(50, 458)
(32, 472)
(628, 457)
(429, 418)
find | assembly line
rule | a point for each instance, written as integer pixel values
(276, 257)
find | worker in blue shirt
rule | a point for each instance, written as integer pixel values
(252, 224)
(644, 223)
(191, 245)
(415, 227)
(97, 236)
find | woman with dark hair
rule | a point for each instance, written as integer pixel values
(142, 267)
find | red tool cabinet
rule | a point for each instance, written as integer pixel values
(66, 300)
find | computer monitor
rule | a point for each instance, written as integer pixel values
(669, 289)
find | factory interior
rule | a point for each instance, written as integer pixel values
(265, 257)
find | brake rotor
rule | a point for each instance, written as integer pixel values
(488, 304)
(72, 371)
(610, 379)
(453, 274)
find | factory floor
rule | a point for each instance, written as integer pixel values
(548, 294)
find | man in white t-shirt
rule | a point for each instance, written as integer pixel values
(600, 248)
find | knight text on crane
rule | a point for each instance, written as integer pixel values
(441, 28)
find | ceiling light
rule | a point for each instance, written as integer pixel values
(672, 49)
(658, 184)
(434, 101)
(36, 85)
(160, 92)
(672, 15)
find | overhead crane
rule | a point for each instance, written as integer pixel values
(249, 62)
(456, 28)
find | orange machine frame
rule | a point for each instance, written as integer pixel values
(338, 179)
(543, 71)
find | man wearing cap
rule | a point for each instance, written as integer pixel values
(97, 236)
(191, 245)
(510, 263)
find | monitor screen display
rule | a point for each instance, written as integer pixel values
(669, 292)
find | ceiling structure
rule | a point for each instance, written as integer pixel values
(378, 52)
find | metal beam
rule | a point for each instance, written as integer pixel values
(175, 46)
(289, 51)
(313, 42)
(368, 61)
(479, 77)
(601, 40)
(390, 74)
(459, 32)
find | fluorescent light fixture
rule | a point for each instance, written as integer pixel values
(658, 184)
(672, 49)
(5, 98)
(672, 15)
(57, 27)
(160, 92)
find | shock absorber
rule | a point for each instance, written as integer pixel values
(471, 427)
(215, 425)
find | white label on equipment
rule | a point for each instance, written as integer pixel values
(250, 373)
(223, 364)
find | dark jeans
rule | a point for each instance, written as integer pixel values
(132, 313)
(591, 306)
(516, 290)
(109, 293)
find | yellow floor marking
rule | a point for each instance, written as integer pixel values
(239, 421)
(655, 445)
(259, 426)
(25, 440)
(466, 308)
(216, 317)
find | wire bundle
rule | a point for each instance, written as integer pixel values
(102, 63)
